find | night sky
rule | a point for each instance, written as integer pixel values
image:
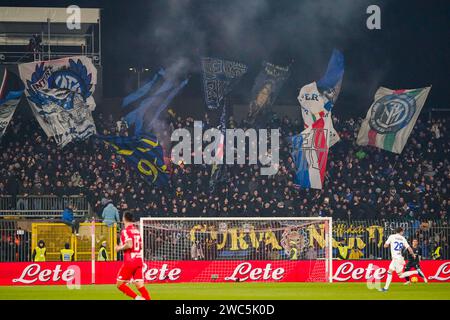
(411, 50)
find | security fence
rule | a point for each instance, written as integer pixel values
(365, 239)
(42, 206)
(351, 239)
(19, 238)
(15, 241)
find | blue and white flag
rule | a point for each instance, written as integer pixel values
(60, 93)
(11, 89)
(219, 76)
(317, 99)
(144, 106)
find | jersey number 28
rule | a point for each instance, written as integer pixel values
(398, 246)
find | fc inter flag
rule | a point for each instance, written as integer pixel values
(391, 118)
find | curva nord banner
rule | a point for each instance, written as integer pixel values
(73, 273)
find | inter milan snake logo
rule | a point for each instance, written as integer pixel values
(391, 113)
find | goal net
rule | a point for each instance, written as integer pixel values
(237, 249)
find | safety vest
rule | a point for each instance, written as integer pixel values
(66, 254)
(100, 254)
(437, 253)
(40, 254)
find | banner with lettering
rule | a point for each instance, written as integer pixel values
(317, 99)
(73, 274)
(219, 77)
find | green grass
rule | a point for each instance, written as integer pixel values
(238, 291)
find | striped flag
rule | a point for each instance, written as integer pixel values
(310, 154)
(391, 118)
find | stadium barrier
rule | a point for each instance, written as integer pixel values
(42, 206)
(18, 238)
(366, 238)
(61, 273)
(15, 241)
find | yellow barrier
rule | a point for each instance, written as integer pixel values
(56, 235)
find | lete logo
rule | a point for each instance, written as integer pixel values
(33, 273)
(164, 273)
(347, 271)
(245, 271)
(444, 269)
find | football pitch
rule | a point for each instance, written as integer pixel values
(236, 291)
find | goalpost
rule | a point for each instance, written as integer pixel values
(239, 249)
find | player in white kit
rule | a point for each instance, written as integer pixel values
(397, 242)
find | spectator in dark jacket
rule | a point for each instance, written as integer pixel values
(69, 219)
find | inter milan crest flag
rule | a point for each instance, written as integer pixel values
(391, 118)
(144, 153)
(266, 88)
(60, 93)
(219, 76)
(11, 89)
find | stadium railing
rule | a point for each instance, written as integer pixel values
(42, 206)
(18, 238)
(366, 238)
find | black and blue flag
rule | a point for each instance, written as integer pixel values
(219, 77)
(266, 88)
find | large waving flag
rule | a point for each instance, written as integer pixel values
(144, 153)
(266, 88)
(391, 118)
(317, 99)
(144, 106)
(219, 77)
(60, 93)
(310, 154)
(11, 89)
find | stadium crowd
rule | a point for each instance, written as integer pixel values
(361, 182)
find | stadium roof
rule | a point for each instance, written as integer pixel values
(18, 24)
(56, 15)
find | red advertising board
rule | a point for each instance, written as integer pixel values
(50, 273)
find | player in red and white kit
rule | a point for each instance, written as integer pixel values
(131, 244)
